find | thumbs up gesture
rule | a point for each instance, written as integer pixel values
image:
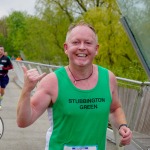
(31, 78)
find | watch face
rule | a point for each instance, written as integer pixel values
(1, 127)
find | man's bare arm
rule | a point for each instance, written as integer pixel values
(117, 115)
(30, 108)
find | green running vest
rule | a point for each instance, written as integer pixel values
(80, 117)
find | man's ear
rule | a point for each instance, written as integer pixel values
(97, 47)
(65, 48)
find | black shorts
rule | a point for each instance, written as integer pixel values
(4, 80)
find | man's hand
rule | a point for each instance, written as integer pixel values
(31, 78)
(126, 135)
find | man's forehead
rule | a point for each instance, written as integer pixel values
(1, 48)
(82, 30)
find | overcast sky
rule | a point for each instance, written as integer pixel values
(7, 6)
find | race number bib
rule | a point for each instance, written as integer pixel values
(80, 147)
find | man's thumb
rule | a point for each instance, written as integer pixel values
(42, 76)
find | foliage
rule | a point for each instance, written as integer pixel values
(16, 29)
(46, 45)
(3, 35)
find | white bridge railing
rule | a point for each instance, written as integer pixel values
(135, 97)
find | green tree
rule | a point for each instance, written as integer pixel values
(45, 41)
(3, 35)
(16, 30)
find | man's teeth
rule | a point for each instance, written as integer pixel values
(81, 55)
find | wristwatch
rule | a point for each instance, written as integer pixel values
(122, 125)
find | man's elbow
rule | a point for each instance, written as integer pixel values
(22, 124)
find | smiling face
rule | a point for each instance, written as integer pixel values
(81, 45)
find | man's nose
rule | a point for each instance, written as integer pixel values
(82, 46)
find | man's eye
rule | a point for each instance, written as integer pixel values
(88, 43)
(75, 42)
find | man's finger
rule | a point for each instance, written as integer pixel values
(24, 68)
